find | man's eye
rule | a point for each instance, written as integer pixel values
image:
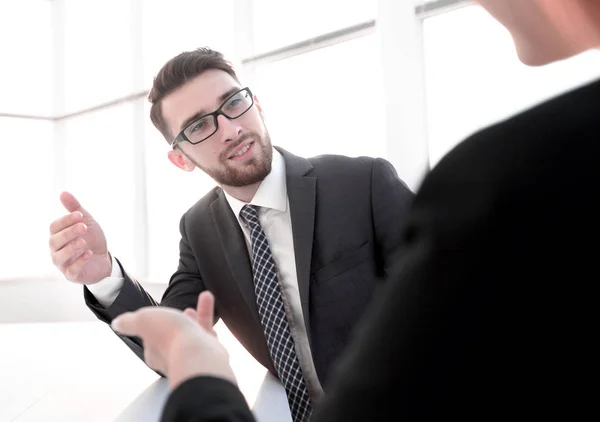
(235, 102)
(197, 126)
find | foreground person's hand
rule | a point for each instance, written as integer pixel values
(179, 345)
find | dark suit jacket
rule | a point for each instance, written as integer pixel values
(489, 313)
(345, 214)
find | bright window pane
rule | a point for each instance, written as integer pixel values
(27, 174)
(325, 101)
(277, 23)
(99, 172)
(98, 52)
(170, 27)
(27, 57)
(474, 77)
(171, 192)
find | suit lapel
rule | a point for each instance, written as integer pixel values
(235, 250)
(301, 192)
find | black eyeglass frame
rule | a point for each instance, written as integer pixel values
(181, 136)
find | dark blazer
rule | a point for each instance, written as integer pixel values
(345, 214)
(489, 314)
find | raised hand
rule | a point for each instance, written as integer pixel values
(78, 245)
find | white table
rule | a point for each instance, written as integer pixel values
(81, 371)
(270, 405)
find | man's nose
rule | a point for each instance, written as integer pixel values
(228, 129)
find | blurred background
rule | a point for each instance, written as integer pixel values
(334, 76)
(404, 80)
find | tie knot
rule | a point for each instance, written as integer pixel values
(250, 213)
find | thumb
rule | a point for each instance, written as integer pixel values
(206, 310)
(72, 204)
(190, 313)
(128, 323)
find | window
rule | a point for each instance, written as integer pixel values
(172, 27)
(28, 203)
(26, 85)
(98, 52)
(474, 77)
(299, 20)
(325, 101)
(99, 172)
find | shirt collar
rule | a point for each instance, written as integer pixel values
(272, 191)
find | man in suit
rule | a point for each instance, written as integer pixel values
(292, 248)
(489, 313)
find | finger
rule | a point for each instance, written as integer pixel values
(72, 204)
(206, 310)
(190, 312)
(73, 271)
(60, 239)
(66, 221)
(128, 323)
(154, 360)
(62, 257)
(73, 259)
(147, 322)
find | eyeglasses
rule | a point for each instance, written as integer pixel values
(205, 126)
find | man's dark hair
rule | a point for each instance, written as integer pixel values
(176, 72)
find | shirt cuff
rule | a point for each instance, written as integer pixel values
(106, 290)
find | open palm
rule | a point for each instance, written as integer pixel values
(78, 244)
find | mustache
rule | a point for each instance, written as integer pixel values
(237, 143)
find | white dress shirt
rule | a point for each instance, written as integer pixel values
(275, 219)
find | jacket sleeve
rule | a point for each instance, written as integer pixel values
(391, 201)
(206, 399)
(182, 292)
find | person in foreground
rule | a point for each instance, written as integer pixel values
(488, 314)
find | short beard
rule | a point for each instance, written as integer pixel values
(254, 171)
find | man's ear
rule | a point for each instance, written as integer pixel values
(258, 106)
(181, 161)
